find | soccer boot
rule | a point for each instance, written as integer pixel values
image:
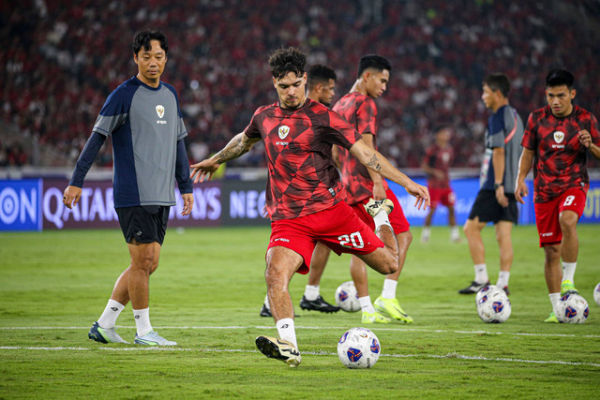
(319, 304)
(279, 349)
(473, 288)
(373, 206)
(265, 312)
(567, 287)
(371, 318)
(391, 308)
(104, 335)
(153, 339)
(552, 318)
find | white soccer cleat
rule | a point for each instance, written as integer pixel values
(373, 206)
(279, 349)
(153, 339)
(104, 335)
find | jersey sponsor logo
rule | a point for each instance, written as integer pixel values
(160, 111)
(283, 131)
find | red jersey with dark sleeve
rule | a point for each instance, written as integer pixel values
(560, 160)
(440, 159)
(302, 177)
(361, 112)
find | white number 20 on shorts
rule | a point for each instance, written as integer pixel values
(352, 240)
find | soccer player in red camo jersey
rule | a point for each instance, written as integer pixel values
(557, 140)
(363, 185)
(436, 165)
(304, 193)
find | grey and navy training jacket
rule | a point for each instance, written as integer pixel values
(147, 131)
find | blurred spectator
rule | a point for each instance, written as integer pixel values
(60, 58)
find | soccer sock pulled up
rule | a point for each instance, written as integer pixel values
(108, 319)
(287, 330)
(142, 321)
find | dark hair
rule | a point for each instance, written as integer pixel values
(498, 82)
(373, 61)
(143, 38)
(320, 74)
(283, 61)
(559, 77)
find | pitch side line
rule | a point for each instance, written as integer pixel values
(341, 328)
(211, 350)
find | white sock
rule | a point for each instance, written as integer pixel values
(108, 319)
(554, 299)
(311, 292)
(381, 219)
(425, 233)
(142, 321)
(569, 271)
(389, 289)
(267, 302)
(481, 275)
(503, 279)
(286, 330)
(454, 235)
(366, 305)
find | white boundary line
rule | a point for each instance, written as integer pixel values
(340, 328)
(211, 350)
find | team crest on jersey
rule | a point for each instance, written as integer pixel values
(559, 136)
(283, 131)
(160, 110)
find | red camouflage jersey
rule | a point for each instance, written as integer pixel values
(302, 177)
(560, 159)
(360, 110)
(439, 158)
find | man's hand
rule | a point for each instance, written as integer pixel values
(420, 192)
(204, 170)
(378, 191)
(501, 197)
(188, 203)
(71, 196)
(521, 191)
(585, 138)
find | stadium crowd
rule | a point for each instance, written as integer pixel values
(60, 59)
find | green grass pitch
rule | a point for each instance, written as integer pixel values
(206, 295)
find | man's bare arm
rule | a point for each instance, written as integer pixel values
(237, 146)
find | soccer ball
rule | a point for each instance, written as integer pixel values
(493, 305)
(573, 309)
(597, 294)
(358, 348)
(346, 297)
(487, 289)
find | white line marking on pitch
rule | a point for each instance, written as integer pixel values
(210, 350)
(477, 332)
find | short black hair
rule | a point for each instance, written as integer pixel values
(499, 82)
(320, 74)
(143, 38)
(373, 61)
(283, 61)
(559, 77)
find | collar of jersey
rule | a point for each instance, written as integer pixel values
(146, 86)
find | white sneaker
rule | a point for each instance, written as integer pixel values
(279, 349)
(153, 339)
(104, 335)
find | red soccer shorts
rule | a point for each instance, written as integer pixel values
(338, 227)
(546, 214)
(444, 196)
(396, 217)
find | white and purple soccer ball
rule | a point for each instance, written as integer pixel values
(346, 297)
(493, 305)
(597, 294)
(573, 309)
(359, 348)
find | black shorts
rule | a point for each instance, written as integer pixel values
(486, 207)
(144, 224)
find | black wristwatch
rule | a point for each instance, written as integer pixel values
(497, 185)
